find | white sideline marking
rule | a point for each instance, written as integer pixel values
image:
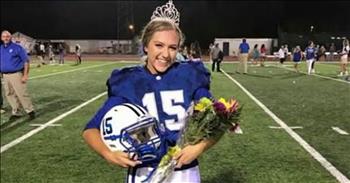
(325, 77)
(340, 131)
(291, 127)
(44, 124)
(56, 73)
(323, 161)
(42, 127)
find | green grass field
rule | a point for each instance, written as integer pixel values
(260, 154)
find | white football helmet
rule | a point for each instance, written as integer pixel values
(129, 128)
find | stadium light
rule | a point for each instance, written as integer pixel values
(311, 28)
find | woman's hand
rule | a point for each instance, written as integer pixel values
(93, 138)
(188, 154)
(120, 158)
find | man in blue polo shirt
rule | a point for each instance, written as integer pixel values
(14, 68)
(243, 57)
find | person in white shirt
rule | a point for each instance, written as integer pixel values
(286, 50)
(344, 58)
(281, 54)
(78, 53)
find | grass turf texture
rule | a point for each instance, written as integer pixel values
(58, 154)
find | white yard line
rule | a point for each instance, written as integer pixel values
(315, 154)
(291, 127)
(325, 77)
(340, 131)
(44, 124)
(42, 127)
(82, 68)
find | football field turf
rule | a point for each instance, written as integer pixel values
(263, 153)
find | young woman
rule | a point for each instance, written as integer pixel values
(166, 89)
(344, 58)
(297, 56)
(255, 54)
(310, 53)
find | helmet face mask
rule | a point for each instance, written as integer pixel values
(142, 139)
(129, 128)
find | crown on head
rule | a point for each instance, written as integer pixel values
(167, 12)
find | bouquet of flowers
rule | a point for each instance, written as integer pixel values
(210, 120)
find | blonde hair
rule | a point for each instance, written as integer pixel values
(159, 25)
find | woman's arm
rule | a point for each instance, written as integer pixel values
(191, 152)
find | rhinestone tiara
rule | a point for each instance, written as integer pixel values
(167, 12)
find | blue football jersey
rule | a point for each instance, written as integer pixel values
(310, 53)
(166, 96)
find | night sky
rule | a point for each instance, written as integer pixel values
(200, 20)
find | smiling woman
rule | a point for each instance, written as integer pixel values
(166, 89)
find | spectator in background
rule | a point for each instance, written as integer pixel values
(262, 55)
(195, 51)
(211, 47)
(78, 53)
(317, 57)
(332, 49)
(243, 57)
(317, 49)
(297, 56)
(310, 57)
(41, 54)
(286, 50)
(344, 58)
(185, 53)
(51, 55)
(216, 58)
(322, 53)
(281, 54)
(15, 70)
(61, 53)
(42, 50)
(255, 54)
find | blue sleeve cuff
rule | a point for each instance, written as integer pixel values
(202, 92)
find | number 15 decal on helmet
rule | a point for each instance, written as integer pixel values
(129, 128)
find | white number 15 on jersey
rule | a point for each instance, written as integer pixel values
(171, 101)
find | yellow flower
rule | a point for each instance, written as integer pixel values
(223, 101)
(203, 104)
(228, 104)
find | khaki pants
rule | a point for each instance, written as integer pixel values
(243, 61)
(16, 93)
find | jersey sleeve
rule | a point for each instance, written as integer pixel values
(201, 81)
(95, 121)
(121, 83)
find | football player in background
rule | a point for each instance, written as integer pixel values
(310, 54)
(167, 89)
(297, 56)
